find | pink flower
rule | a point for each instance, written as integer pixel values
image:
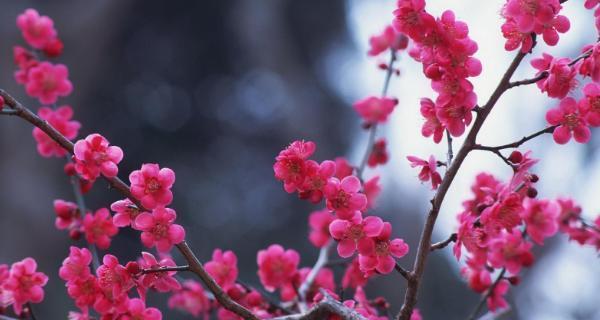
(511, 251)
(356, 233)
(152, 185)
(344, 197)
(84, 291)
(411, 19)
(94, 156)
(372, 189)
(25, 284)
(136, 309)
(569, 117)
(541, 218)
(561, 77)
(379, 154)
(515, 38)
(382, 258)
(353, 276)
(67, 214)
(126, 212)
(114, 277)
(432, 126)
(315, 179)
(76, 265)
(191, 299)
(375, 110)
(277, 267)
(477, 275)
(37, 30)
(428, 170)
(99, 228)
(319, 222)
(388, 39)
(496, 299)
(223, 267)
(590, 104)
(47, 82)
(159, 281)
(530, 13)
(343, 168)
(503, 214)
(159, 230)
(60, 120)
(590, 66)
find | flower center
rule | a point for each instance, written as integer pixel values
(152, 185)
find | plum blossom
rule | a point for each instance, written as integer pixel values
(569, 117)
(511, 251)
(374, 110)
(160, 281)
(590, 104)
(136, 309)
(290, 165)
(385, 250)
(47, 82)
(152, 185)
(99, 228)
(277, 267)
(60, 119)
(191, 298)
(388, 39)
(37, 30)
(432, 126)
(25, 283)
(159, 230)
(378, 154)
(76, 265)
(541, 217)
(590, 66)
(223, 267)
(126, 212)
(356, 234)
(428, 170)
(561, 76)
(344, 196)
(353, 276)
(319, 222)
(94, 156)
(67, 214)
(316, 179)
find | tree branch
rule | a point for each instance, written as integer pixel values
(166, 269)
(324, 308)
(116, 183)
(487, 294)
(403, 272)
(445, 243)
(518, 143)
(450, 154)
(410, 297)
(312, 275)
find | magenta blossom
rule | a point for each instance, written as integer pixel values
(47, 82)
(385, 250)
(428, 170)
(569, 118)
(159, 230)
(344, 196)
(561, 77)
(277, 267)
(60, 119)
(223, 267)
(94, 156)
(152, 185)
(375, 110)
(356, 233)
(25, 283)
(541, 217)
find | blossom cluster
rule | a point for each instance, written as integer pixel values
(502, 222)
(526, 17)
(21, 284)
(444, 48)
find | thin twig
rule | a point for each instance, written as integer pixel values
(403, 272)
(166, 269)
(487, 294)
(312, 275)
(373, 128)
(30, 311)
(195, 265)
(450, 153)
(75, 182)
(518, 143)
(325, 308)
(445, 243)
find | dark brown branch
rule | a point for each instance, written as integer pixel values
(410, 297)
(487, 294)
(118, 184)
(518, 143)
(445, 243)
(166, 269)
(323, 309)
(403, 272)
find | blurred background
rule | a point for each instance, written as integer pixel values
(215, 89)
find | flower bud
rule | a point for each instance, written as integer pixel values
(515, 157)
